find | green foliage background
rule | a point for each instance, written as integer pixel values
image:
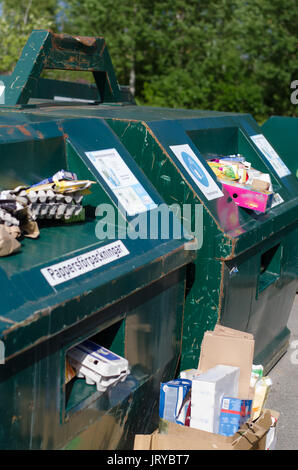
(237, 55)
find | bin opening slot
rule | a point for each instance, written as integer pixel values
(90, 373)
(230, 142)
(270, 262)
(84, 92)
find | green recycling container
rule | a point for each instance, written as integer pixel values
(282, 133)
(247, 263)
(244, 274)
(85, 281)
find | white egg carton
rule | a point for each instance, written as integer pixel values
(98, 365)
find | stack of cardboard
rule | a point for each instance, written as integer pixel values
(221, 388)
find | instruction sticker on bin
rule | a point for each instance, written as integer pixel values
(270, 154)
(74, 267)
(197, 171)
(130, 193)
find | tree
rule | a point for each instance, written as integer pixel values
(123, 24)
(229, 56)
(226, 55)
(17, 21)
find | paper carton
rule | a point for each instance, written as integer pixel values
(206, 396)
(248, 197)
(232, 348)
(171, 398)
(234, 413)
(172, 436)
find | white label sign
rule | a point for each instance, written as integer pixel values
(271, 155)
(197, 171)
(2, 92)
(74, 267)
(130, 193)
(277, 199)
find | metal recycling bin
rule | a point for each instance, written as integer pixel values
(247, 265)
(282, 133)
(72, 284)
(245, 271)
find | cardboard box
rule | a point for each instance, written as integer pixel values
(232, 348)
(171, 398)
(206, 395)
(252, 436)
(271, 436)
(234, 413)
(245, 196)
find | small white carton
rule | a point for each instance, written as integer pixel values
(206, 396)
(98, 365)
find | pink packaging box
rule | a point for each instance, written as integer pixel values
(245, 197)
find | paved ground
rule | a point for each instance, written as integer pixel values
(283, 395)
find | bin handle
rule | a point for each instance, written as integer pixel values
(47, 50)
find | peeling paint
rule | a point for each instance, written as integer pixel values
(24, 130)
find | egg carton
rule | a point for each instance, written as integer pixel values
(51, 196)
(98, 365)
(32, 196)
(92, 378)
(8, 219)
(54, 210)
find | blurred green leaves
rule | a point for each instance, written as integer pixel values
(225, 55)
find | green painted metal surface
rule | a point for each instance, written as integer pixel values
(232, 236)
(228, 264)
(46, 50)
(243, 274)
(133, 305)
(282, 133)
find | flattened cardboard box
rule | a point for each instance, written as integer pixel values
(252, 436)
(232, 348)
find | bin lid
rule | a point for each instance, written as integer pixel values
(199, 134)
(194, 133)
(72, 271)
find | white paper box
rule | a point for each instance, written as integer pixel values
(98, 365)
(206, 396)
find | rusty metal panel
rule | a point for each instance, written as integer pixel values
(134, 305)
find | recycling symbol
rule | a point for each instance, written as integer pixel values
(195, 169)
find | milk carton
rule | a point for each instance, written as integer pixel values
(234, 412)
(171, 398)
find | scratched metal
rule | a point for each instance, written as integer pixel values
(142, 292)
(232, 237)
(46, 50)
(243, 276)
(229, 232)
(39, 412)
(282, 134)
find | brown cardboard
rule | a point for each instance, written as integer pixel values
(252, 436)
(225, 330)
(260, 185)
(144, 441)
(8, 243)
(30, 229)
(232, 348)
